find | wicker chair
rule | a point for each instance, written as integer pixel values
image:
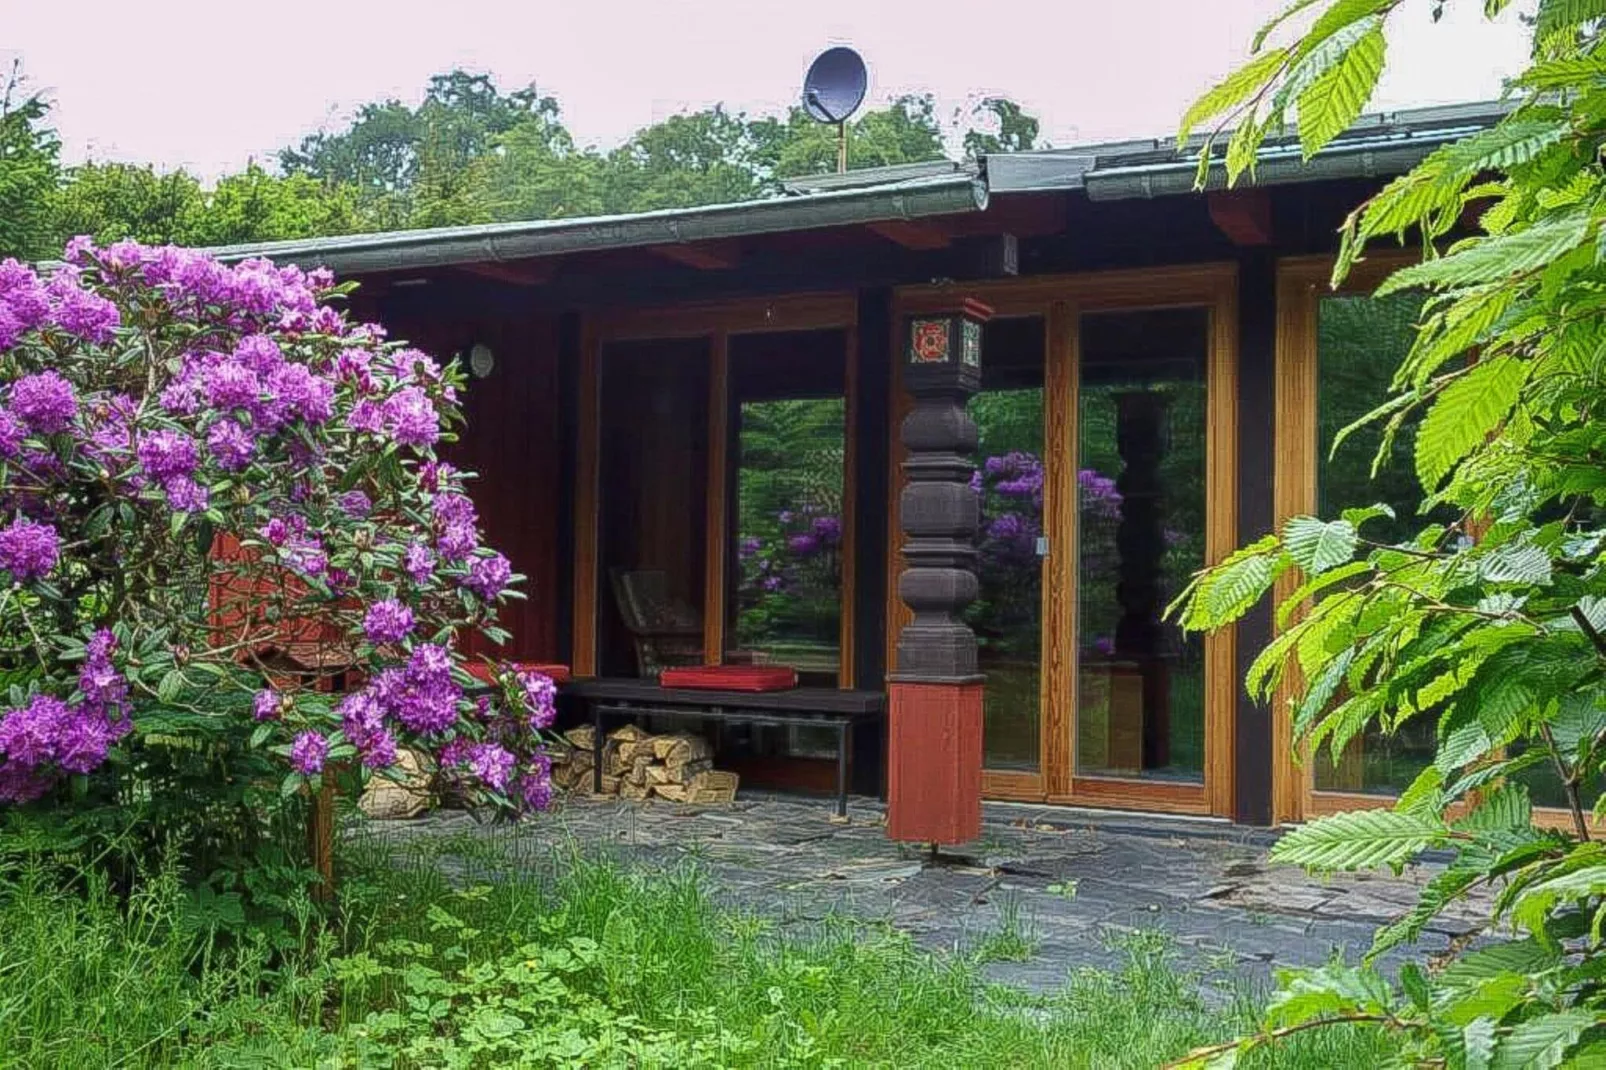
(666, 631)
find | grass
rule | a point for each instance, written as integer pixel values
(472, 953)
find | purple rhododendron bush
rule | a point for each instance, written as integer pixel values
(209, 476)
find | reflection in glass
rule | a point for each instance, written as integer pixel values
(1141, 421)
(1007, 614)
(1360, 341)
(789, 534)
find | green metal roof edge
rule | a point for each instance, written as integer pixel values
(443, 246)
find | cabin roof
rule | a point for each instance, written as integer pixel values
(1376, 145)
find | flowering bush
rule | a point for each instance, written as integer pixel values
(219, 500)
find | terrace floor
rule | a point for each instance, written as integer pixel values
(1045, 891)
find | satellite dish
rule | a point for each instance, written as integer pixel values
(835, 85)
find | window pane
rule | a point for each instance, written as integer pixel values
(789, 533)
(1141, 418)
(788, 452)
(1007, 614)
(653, 510)
(1360, 342)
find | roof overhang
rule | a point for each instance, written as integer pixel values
(358, 254)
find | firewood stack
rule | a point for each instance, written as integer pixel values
(638, 765)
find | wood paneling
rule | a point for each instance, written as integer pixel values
(793, 312)
(1119, 794)
(717, 533)
(1221, 539)
(512, 442)
(846, 673)
(1012, 786)
(586, 487)
(1057, 697)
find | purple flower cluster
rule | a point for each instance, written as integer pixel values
(267, 705)
(488, 576)
(45, 403)
(28, 550)
(540, 699)
(308, 753)
(47, 736)
(387, 621)
(421, 695)
(457, 531)
(60, 305)
(362, 719)
(298, 549)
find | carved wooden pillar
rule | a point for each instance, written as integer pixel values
(1140, 437)
(935, 693)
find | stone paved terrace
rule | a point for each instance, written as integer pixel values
(1072, 881)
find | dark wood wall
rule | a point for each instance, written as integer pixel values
(515, 444)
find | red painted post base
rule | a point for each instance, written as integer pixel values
(934, 762)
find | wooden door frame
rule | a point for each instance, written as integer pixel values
(1061, 300)
(717, 322)
(1302, 282)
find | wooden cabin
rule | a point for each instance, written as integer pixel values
(698, 411)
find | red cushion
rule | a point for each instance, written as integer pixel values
(559, 674)
(730, 677)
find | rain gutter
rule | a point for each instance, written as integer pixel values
(401, 250)
(1278, 166)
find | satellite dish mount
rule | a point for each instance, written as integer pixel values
(833, 90)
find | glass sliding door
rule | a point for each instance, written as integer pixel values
(1008, 614)
(1141, 416)
(1105, 470)
(785, 600)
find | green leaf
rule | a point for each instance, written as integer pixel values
(1336, 98)
(1464, 414)
(1493, 259)
(1521, 957)
(1359, 839)
(1316, 546)
(1478, 1041)
(1415, 985)
(1518, 561)
(1541, 1043)
(1557, 15)
(172, 686)
(1231, 91)
(1510, 144)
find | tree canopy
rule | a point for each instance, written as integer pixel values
(468, 152)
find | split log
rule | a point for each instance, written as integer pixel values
(638, 792)
(581, 738)
(712, 786)
(405, 793)
(682, 773)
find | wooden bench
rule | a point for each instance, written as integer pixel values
(813, 707)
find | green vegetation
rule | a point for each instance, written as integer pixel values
(468, 152)
(1480, 619)
(550, 960)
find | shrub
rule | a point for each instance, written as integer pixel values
(220, 500)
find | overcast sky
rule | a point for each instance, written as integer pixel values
(182, 84)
